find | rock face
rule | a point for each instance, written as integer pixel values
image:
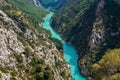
(54, 4)
(35, 2)
(26, 52)
(92, 26)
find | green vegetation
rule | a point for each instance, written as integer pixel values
(39, 68)
(108, 67)
(37, 60)
(63, 74)
(40, 76)
(4, 69)
(21, 39)
(14, 13)
(0, 75)
(68, 17)
(58, 44)
(13, 73)
(12, 78)
(72, 22)
(41, 71)
(48, 74)
(32, 11)
(19, 58)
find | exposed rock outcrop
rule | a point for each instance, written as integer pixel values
(23, 51)
(35, 2)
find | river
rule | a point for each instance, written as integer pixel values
(70, 54)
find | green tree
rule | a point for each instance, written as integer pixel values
(40, 76)
(108, 67)
(39, 68)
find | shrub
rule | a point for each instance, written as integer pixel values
(40, 76)
(37, 60)
(63, 74)
(39, 68)
(19, 58)
(48, 74)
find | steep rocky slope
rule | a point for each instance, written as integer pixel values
(27, 51)
(92, 26)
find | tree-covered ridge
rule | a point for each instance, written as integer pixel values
(108, 67)
(70, 14)
(36, 12)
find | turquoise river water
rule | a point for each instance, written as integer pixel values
(70, 54)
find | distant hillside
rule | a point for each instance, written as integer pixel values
(55, 4)
(36, 12)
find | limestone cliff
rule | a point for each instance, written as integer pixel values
(27, 52)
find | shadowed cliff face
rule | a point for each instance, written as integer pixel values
(54, 4)
(75, 23)
(93, 27)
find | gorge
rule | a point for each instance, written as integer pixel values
(70, 54)
(59, 39)
(92, 26)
